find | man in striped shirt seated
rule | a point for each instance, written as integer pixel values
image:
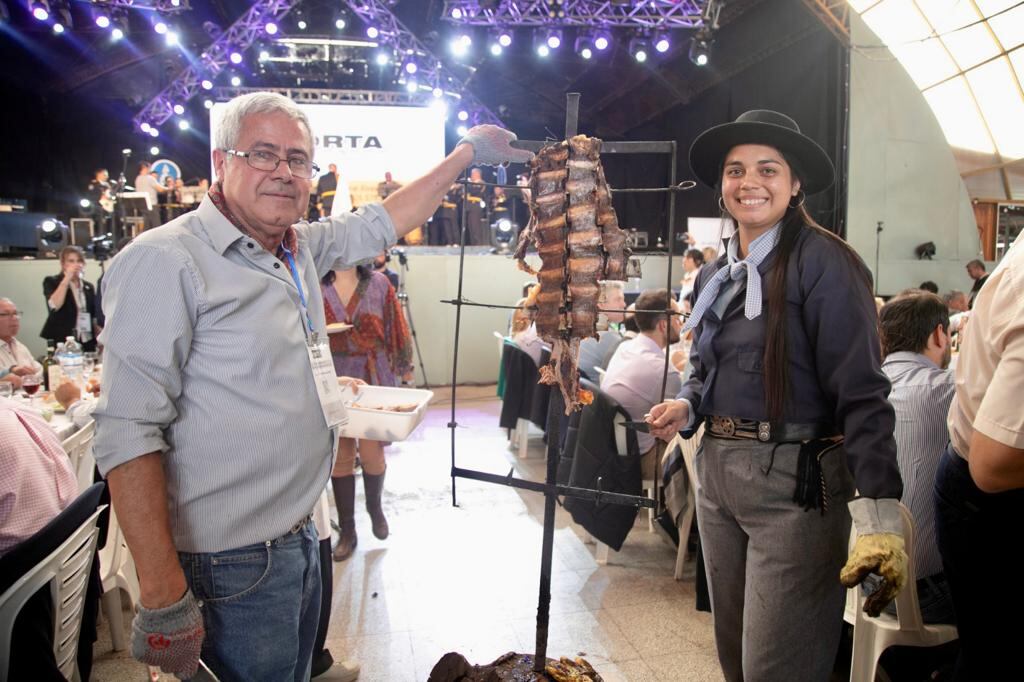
(915, 340)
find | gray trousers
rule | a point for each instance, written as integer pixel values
(773, 569)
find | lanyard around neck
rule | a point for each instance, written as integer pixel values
(298, 285)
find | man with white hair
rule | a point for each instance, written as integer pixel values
(217, 426)
(16, 360)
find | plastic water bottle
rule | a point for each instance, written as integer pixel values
(72, 361)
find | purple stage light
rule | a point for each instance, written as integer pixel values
(40, 12)
(463, 115)
(207, 84)
(236, 81)
(602, 41)
(504, 38)
(160, 27)
(270, 28)
(372, 32)
(236, 57)
(116, 34)
(102, 20)
(178, 109)
(661, 44)
(554, 39)
(58, 28)
(456, 13)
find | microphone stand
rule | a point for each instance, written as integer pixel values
(118, 226)
(878, 251)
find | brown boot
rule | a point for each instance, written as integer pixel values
(373, 485)
(345, 501)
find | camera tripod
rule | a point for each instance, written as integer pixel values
(403, 262)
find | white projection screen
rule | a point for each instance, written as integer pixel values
(365, 141)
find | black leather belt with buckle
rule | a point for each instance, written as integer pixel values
(732, 428)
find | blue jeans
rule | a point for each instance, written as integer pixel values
(260, 605)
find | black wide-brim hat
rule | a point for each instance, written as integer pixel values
(762, 126)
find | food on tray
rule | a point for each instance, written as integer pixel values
(577, 235)
(404, 407)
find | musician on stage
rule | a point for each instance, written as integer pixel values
(101, 199)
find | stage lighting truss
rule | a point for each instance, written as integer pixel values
(162, 6)
(578, 13)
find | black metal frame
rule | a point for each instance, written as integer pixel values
(550, 488)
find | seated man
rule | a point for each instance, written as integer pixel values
(597, 352)
(634, 375)
(916, 343)
(79, 411)
(15, 359)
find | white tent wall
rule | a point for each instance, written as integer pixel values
(902, 172)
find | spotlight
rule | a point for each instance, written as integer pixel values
(583, 47)
(602, 39)
(208, 104)
(661, 43)
(102, 20)
(461, 131)
(410, 66)
(700, 49)
(543, 50)
(51, 235)
(178, 109)
(160, 27)
(270, 28)
(554, 39)
(639, 48)
(372, 32)
(207, 84)
(183, 124)
(459, 46)
(116, 34)
(437, 92)
(383, 58)
(505, 38)
(340, 24)
(171, 38)
(463, 115)
(495, 49)
(153, 132)
(264, 55)
(40, 10)
(85, 203)
(301, 24)
(144, 127)
(456, 13)
(236, 57)
(58, 28)
(411, 85)
(154, 150)
(236, 81)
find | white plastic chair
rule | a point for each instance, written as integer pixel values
(117, 572)
(872, 636)
(689, 449)
(79, 449)
(66, 569)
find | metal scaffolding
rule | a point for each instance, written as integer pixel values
(655, 14)
(326, 96)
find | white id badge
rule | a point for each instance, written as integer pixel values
(84, 322)
(326, 380)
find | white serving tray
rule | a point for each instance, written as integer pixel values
(375, 424)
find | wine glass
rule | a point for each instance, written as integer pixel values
(30, 384)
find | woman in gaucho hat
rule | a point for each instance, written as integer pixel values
(787, 380)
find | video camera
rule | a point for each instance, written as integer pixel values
(102, 247)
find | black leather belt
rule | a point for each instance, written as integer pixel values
(731, 428)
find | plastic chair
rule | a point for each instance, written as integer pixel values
(689, 449)
(117, 572)
(79, 449)
(872, 636)
(66, 569)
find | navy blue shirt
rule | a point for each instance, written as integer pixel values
(834, 358)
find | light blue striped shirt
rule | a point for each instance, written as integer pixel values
(204, 360)
(921, 395)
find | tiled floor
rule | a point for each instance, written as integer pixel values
(466, 578)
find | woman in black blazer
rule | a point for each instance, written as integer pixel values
(66, 295)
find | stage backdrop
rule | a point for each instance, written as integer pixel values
(366, 140)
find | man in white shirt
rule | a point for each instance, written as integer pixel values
(147, 182)
(634, 375)
(15, 359)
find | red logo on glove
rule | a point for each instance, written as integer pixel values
(158, 642)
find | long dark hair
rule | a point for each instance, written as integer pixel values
(776, 348)
(362, 272)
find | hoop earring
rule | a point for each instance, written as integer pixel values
(721, 205)
(803, 197)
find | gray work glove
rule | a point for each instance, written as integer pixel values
(491, 145)
(171, 637)
(879, 549)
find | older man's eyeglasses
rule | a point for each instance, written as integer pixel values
(300, 166)
(13, 313)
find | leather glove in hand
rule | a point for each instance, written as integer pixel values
(491, 145)
(878, 549)
(171, 637)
